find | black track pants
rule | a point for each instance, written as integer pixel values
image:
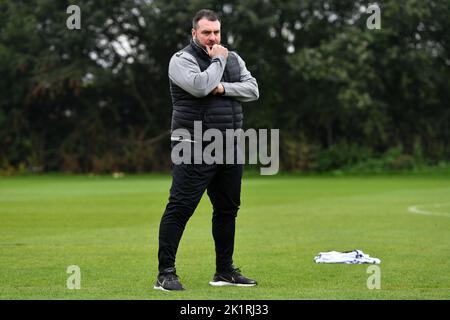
(189, 182)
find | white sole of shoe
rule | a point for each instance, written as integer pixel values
(160, 288)
(223, 284)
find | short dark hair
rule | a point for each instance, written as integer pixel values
(204, 13)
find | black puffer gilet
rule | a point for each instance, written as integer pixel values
(219, 112)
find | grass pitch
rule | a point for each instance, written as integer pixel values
(109, 228)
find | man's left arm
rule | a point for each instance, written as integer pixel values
(245, 90)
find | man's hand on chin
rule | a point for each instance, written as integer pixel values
(217, 50)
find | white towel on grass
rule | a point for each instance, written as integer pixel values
(349, 257)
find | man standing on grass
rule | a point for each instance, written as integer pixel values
(207, 83)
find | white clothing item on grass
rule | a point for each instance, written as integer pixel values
(349, 257)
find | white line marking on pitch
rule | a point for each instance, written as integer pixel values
(416, 209)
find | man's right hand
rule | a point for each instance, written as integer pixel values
(217, 50)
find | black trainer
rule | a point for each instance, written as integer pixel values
(231, 278)
(168, 281)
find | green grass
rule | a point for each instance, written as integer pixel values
(109, 228)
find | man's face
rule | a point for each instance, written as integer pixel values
(207, 32)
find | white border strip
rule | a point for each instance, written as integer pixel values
(417, 210)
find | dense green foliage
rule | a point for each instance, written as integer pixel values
(97, 99)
